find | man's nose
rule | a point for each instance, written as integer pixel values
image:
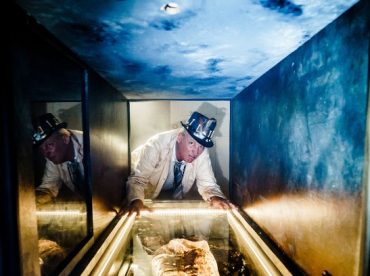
(45, 151)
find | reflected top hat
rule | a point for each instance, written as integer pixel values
(201, 128)
(45, 125)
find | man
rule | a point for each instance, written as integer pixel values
(63, 151)
(170, 163)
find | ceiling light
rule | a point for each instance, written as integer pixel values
(171, 8)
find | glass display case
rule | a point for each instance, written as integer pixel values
(184, 237)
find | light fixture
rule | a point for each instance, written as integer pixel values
(171, 8)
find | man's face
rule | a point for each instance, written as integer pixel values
(187, 148)
(54, 148)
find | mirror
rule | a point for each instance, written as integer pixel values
(60, 186)
(46, 78)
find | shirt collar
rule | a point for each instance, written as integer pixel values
(174, 159)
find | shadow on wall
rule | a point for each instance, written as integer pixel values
(219, 114)
(216, 112)
(73, 116)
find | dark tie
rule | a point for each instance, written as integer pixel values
(177, 186)
(77, 177)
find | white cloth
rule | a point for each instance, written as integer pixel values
(184, 257)
(151, 165)
(57, 175)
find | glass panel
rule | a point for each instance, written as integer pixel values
(60, 185)
(187, 237)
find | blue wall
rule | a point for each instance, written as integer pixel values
(298, 138)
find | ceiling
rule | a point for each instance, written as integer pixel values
(190, 49)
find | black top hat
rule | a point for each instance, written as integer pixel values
(201, 128)
(45, 125)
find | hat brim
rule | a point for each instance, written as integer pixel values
(200, 141)
(57, 127)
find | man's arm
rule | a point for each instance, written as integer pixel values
(221, 203)
(50, 185)
(207, 185)
(137, 206)
(144, 160)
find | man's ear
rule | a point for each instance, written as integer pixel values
(180, 136)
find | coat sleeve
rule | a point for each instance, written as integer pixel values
(51, 181)
(143, 160)
(205, 179)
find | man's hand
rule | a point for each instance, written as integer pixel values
(43, 197)
(136, 206)
(221, 203)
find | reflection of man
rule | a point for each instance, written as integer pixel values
(169, 163)
(63, 151)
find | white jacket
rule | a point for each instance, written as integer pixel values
(151, 164)
(56, 175)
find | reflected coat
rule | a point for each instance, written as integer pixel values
(55, 175)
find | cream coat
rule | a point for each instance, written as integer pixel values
(150, 167)
(56, 175)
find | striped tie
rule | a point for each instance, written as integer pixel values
(77, 177)
(177, 186)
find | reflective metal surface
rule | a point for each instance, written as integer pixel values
(135, 243)
(61, 226)
(41, 73)
(298, 148)
(62, 218)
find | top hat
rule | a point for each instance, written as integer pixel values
(46, 125)
(201, 128)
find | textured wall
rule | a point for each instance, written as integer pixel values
(298, 137)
